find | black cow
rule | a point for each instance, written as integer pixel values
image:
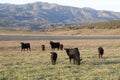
(100, 52)
(43, 47)
(54, 45)
(53, 57)
(25, 46)
(74, 54)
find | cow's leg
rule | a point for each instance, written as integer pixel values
(51, 60)
(54, 62)
(74, 60)
(21, 49)
(99, 55)
(70, 60)
(78, 61)
(29, 49)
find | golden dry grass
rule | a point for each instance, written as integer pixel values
(63, 32)
(36, 65)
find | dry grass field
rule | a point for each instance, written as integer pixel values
(36, 65)
(64, 32)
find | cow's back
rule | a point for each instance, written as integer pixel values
(54, 45)
(100, 50)
(25, 46)
(74, 51)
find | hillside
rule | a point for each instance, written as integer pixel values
(103, 25)
(44, 15)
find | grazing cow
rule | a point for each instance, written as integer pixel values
(43, 47)
(25, 46)
(74, 54)
(100, 52)
(54, 45)
(53, 57)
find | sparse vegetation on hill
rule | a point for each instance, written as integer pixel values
(103, 25)
(101, 28)
(39, 15)
(114, 24)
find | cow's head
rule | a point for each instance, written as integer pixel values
(51, 42)
(21, 43)
(67, 50)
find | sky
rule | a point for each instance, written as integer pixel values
(111, 5)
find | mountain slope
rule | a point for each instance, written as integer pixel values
(44, 15)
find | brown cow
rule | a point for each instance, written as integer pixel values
(74, 54)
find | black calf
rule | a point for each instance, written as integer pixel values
(100, 52)
(53, 57)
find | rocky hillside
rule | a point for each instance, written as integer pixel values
(44, 15)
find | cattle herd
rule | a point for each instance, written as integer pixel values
(73, 53)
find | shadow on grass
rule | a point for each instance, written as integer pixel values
(107, 62)
(111, 62)
(116, 57)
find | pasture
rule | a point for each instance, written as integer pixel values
(36, 65)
